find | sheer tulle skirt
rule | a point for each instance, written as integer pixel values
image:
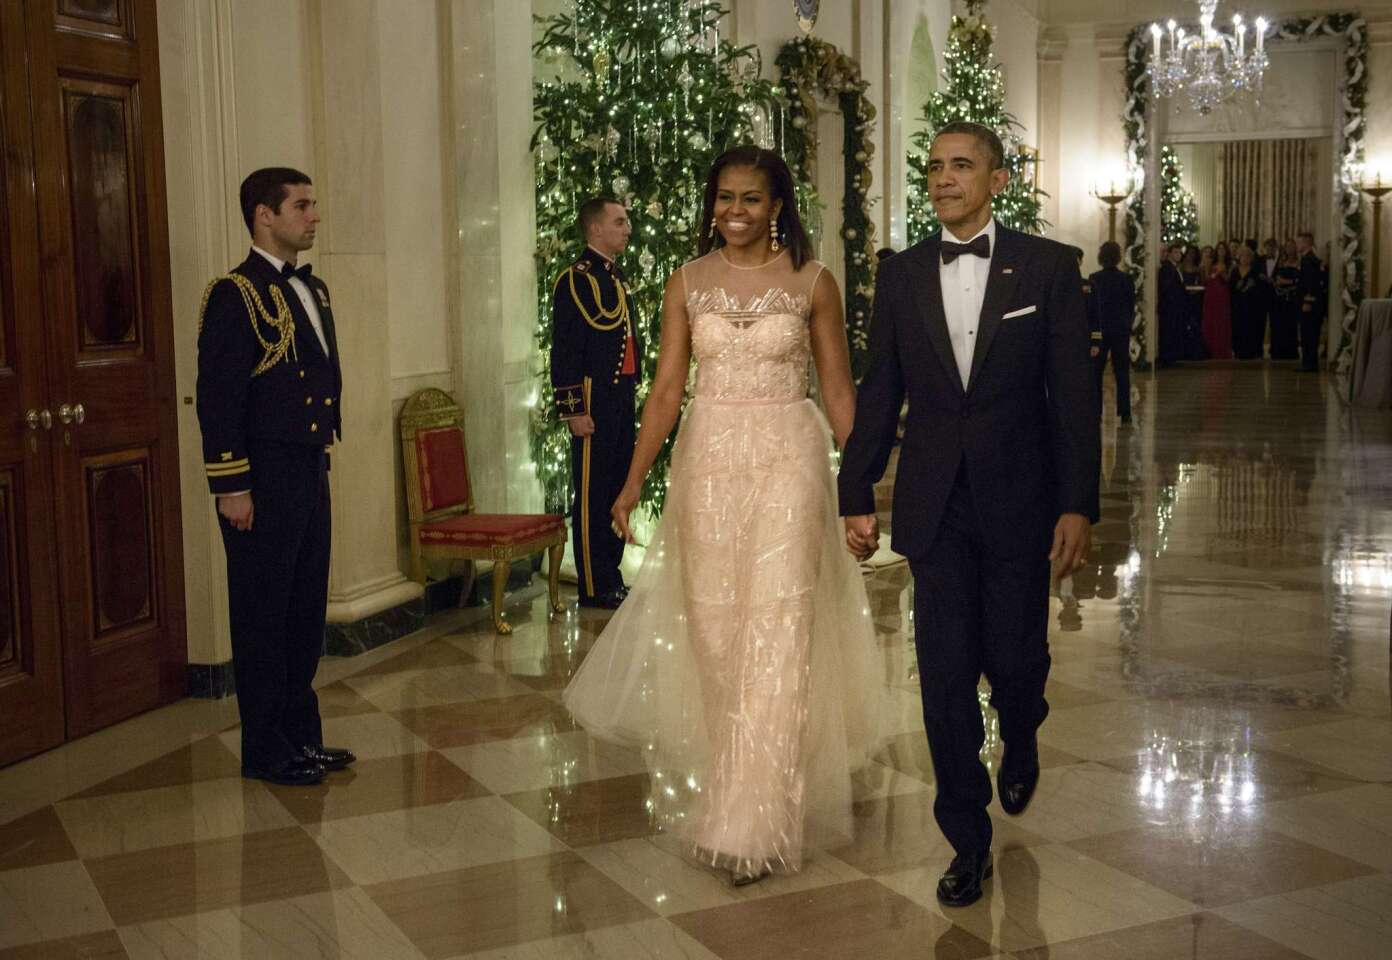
(743, 662)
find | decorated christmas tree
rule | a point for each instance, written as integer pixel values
(633, 99)
(974, 90)
(1179, 216)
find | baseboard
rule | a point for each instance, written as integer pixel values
(371, 632)
(211, 681)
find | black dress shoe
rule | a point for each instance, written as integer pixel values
(603, 601)
(299, 772)
(961, 884)
(1015, 786)
(330, 758)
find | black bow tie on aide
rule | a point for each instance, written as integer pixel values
(980, 246)
(287, 271)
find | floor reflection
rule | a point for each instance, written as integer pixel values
(1217, 762)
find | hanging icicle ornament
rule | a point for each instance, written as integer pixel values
(601, 62)
(686, 81)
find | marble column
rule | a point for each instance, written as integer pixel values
(370, 601)
(494, 309)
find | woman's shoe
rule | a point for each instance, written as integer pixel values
(742, 878)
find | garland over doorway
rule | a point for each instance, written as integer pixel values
(1348, 149)
(809, 66)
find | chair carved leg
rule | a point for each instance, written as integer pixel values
(553, 579)
(500, 579)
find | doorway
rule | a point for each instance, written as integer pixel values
(91, 583)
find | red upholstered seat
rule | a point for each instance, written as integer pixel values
(490, 529)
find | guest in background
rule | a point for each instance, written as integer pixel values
(1217, 306)
(884, 253)
(1170, 304)
(1251, 297)
(1314, 298)
(1285, 309)
(1270, 258)
(1113, 301)
(1193, 305)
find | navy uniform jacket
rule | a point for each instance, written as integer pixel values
(1094, 318)
(1112, 305)
(262, 374)
(592, 317)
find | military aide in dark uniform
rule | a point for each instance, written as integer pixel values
(1314, 298)
(1111, 308)
(268, 405)
(595, 372)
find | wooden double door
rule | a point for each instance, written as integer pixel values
(91, 583)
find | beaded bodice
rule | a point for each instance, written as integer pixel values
(749, 328)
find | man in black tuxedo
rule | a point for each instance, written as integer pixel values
(1313, 301)
(984, 330)
(1171, 306)
(269, 385)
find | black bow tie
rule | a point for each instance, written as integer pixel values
(287, 271)
(980, 246)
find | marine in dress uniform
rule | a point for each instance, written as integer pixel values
(595, 373)
(269, 386)
(1314, 297)
(1111, 307)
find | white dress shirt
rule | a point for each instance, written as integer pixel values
(963, 292)
(306, 298)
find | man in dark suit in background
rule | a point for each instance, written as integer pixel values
(1171, 306)
(984, 330)
(269, 385)
(1313, 299)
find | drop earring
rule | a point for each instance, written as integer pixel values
(775, 246)
(712, 229)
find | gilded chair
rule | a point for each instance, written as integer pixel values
(440, 505)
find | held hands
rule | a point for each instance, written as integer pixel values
(1072, 540)
(581, 426)
(862, 536)
(1095, 351)
(621, 510)
(238, 510)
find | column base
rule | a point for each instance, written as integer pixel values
(372, 617)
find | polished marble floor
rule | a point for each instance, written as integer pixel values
(1217, 783)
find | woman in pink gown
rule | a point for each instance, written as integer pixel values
(743, 663)
(1217, 305)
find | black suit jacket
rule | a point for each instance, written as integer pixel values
(252, 385)
(1313, 294)
(1026, 423)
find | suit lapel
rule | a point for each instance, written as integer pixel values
(927, 294)
(1000, 289)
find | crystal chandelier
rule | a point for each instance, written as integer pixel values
(1212, 66)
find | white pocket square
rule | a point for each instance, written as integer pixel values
(1023, 311)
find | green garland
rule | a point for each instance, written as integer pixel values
(1351, 130)
(809, 65)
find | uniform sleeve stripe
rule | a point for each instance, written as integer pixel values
(227, 469)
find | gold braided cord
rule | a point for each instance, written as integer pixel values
(283, 323)
(619, 314)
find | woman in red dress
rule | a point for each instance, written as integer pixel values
(1217, 305)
